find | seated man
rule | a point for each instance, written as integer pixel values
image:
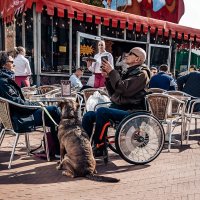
(162, 79)
(154, 71)
(23, 119)
(127, 94)
(75, 78)
(189, 84)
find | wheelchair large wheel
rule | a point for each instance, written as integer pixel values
(139, 138)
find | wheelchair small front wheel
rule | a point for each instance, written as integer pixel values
(139, 138)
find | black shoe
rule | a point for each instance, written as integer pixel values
(98, 152)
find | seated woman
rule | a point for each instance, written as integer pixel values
(23, 119)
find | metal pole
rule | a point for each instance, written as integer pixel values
(175, 61)
(52, 41)
(35, 43)
(77, 49)
(70, 46)
(39, 46)
(23, 32)
(170, 52)
(99, 30)
(147, 48)
(125, 33)
(189, 57)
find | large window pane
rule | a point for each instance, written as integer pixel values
(54, 44)
(182, 61)
(158, 56)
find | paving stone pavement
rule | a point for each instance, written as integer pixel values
(174, 175)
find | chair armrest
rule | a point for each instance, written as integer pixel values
(31, 107)
(20, 105)
(192, 103)
(109, 102)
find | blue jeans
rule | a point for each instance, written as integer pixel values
(101, 117)
(56, 114)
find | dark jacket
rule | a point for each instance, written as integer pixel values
(190, 83)
(128, 91)
(163, 81)
(22, 118)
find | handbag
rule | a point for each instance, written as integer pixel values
(95, 99)
(51, 145)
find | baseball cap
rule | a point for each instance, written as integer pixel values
(139, 52)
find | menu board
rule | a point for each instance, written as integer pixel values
(65, 88)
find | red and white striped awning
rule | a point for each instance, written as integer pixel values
(101, 15)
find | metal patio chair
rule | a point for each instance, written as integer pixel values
(88, 92)
(5, 119)
(192, 114)
(161, 106)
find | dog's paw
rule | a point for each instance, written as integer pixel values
(66, 173)
(58, 167)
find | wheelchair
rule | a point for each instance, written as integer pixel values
(138, 138)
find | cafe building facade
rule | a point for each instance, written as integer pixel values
(57, 34)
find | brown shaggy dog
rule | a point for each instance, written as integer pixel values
(75, 149)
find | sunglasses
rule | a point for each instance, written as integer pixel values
(131, 53)
(100, 44)
(10, 61)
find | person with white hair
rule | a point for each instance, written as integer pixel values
(127, 94)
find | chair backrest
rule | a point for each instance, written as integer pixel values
(164, 106)
(5, 114)
(179, 95)
(28, 89)
(176, 93)
(90, 91)
(46, 88)
(156, 90)
(158, 105)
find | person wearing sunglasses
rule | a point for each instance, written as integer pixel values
(127, 94)
(23, 119)
(8, 68)
(97, 79)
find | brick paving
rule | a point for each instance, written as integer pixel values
(174, 175)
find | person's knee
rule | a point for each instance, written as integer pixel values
(88, 117)
(54, 112)
(102, 111)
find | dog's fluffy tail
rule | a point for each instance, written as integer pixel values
(102, 178)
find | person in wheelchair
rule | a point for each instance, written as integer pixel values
(127, 92)
(23, 119)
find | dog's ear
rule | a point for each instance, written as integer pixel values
(63, 103)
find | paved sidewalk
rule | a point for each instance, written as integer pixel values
(174, 175)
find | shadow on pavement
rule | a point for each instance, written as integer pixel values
(47, 174)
